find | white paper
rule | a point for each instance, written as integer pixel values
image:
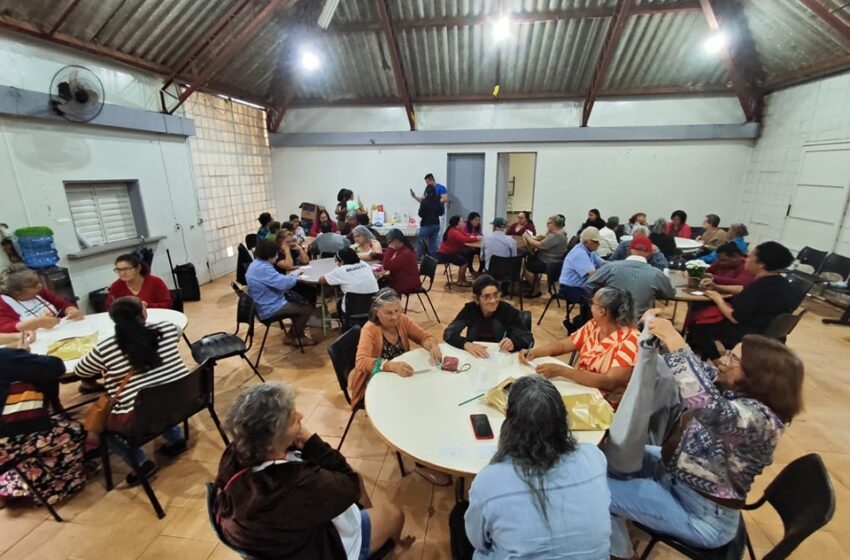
(697, 293)
(305, 267)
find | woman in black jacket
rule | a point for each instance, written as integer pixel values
(430, 210)
(488, 319)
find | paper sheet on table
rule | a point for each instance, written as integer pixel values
(72, 348)
(585, 411)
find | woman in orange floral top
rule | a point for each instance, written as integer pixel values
(607, 345)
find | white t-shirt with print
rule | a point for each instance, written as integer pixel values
(356, 278)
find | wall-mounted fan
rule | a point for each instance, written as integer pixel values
(76, 94)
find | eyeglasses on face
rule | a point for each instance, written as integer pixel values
(119, 270)
(490, 297)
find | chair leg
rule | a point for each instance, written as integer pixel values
(107, 467)
(422, 303)
(253, 367)
(648, 548)
(519, 284)
(459, 487)
(186, 338)
(749, 545)
(262, 346)
(545, 309)
(347, 427)
(29, 484)
(406, 302)
(400, 464)
(431, 303)
(217, 422)
(186, 429)
(146, 485)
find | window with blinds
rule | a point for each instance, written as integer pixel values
(102, 213)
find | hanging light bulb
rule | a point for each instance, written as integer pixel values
(502, 28)
(309, 60)
(716, 42)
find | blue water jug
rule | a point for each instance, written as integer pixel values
(37, 247)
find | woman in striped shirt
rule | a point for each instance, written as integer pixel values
(148, 354)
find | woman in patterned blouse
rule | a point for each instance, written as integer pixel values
(607, 345)
(695, 484)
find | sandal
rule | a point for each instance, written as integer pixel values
(434, 477)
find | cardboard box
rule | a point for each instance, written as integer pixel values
(310, 210)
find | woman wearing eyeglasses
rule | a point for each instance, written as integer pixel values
(488, 319)
(135, 279)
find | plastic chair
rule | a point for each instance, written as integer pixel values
(782, 325)
(246, 312)
(553, 273)
(801, 494)
(244, 258)
(251, 241)
(507, 269)
(356, 312)
(810, 257)
(427, 270)
(159, 408)
(343, 353)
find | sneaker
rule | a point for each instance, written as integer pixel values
(173, 449)
(148, 469)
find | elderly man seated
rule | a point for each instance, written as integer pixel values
(634, 275)
(656, 259)
(581, 262)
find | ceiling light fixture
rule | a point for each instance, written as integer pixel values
(716, 42)
(502, 28)
(309, 60)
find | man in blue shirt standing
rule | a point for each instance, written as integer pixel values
(579, 264)
(442, 192)
(268, 287)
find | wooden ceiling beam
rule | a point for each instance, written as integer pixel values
(612, 39)
(750, 97)
(397, 64)
(828, 17)
(71, 7)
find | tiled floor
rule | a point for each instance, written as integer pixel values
(121, 524)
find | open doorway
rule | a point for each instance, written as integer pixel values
(515, 183)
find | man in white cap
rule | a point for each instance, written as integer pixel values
(579, 264)
(497, 243)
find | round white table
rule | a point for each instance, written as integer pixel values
(420, 417)
(99, 323)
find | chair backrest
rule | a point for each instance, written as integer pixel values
(782, 325)
(343, 352)
(696, 231)
(216, 528)
(428, 269)
(244, 258)
(244, 308)
(357, 305)
(525, 319)
(574, 240)
(800, 285)
(811, 257)
(251, 241)
(160, 407)
(836, 264)
(803, 497)
(176, 299)
(327, 255)
(553, 275)
(505, 268)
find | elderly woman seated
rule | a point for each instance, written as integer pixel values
(694, 486)
(607, 346)
(26, 305)
(488, 319)
(367, 247)
(282, 492)
(542, 492)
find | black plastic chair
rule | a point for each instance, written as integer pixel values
(14, 466)
(343, 353)
(507, 269)
(553, 273)
(525, 320)
(782, 325)
(157, 409)
(427, 271)
(810, 257)
(801, 494)
(177, 305)
(356, 312)
(696, 231)
(251, 241)
(246, 312)
(244, 258)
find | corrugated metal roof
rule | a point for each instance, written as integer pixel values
(656, 52)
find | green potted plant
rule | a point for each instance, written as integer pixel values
(696, 271)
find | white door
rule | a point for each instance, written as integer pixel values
(820, 198)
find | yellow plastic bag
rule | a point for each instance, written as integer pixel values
(72, 348)
(585, 411)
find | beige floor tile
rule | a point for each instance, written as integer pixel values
(53, 541)
(221, 552)
(188, 523)
(173, 547)
(16, 527)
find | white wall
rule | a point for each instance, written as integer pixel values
(620, 179)
(810, 113)
(36, 157)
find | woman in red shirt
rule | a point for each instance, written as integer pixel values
(678, 225)
(453, 249)
(523, 223)
(27, 306)
(135, 279)
(315, 229)
(400, 263)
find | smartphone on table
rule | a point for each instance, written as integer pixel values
(481, 426)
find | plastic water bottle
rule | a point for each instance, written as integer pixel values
(37, 248)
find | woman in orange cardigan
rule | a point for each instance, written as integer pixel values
(385, 336)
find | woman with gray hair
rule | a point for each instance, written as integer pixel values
(543, 495)
(26, 306)
(367, 247)
(282, 492)
(661, 239)
(607, 346)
